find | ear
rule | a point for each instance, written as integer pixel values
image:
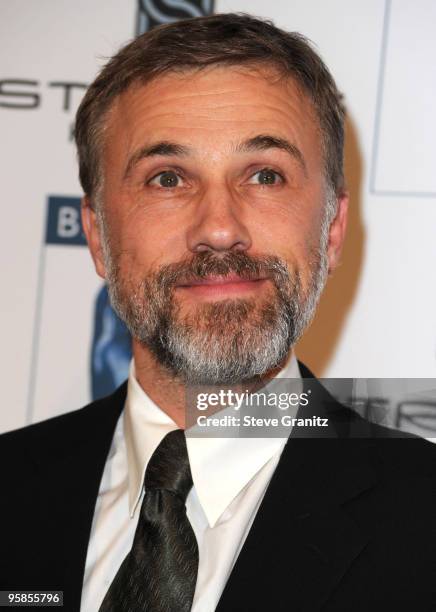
(92, 232)
(337, 232)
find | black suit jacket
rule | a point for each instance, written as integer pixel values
(348, 522)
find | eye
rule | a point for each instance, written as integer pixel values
(266, 176)
(167, 179)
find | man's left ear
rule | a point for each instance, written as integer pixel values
(337, 231)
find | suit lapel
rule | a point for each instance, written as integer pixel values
(302, 541)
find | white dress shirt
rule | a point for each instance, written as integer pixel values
(230, 477)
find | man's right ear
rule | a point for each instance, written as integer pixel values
(92, 232)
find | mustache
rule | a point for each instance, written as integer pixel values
(208, 263)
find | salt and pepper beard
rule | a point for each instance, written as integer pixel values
(225, 341)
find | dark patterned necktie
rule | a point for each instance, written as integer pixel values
(160, 571)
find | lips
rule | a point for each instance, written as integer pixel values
(221, 287)
(219, 280)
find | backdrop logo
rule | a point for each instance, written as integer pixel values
(63, 222)
(152, 13)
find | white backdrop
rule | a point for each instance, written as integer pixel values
(377, 318)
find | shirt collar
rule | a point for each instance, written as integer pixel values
(221, 467)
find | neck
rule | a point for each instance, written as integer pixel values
(167, 391)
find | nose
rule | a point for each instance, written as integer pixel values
(218, 223)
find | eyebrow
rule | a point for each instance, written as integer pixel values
(164, 148)
(262, 142)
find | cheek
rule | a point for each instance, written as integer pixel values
(290, 233)
(146, 242)
(295, 239)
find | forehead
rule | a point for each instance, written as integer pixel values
(214, 108)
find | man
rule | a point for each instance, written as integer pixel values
(210, 155)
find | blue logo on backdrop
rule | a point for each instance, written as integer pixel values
(111, 348)
(152, 13)
(63, 222)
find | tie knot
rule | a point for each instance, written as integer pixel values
(168, 467)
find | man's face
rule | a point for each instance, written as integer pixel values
(212, 204)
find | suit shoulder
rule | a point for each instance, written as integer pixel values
(62, 429)
(404, 454)
(399, 453)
